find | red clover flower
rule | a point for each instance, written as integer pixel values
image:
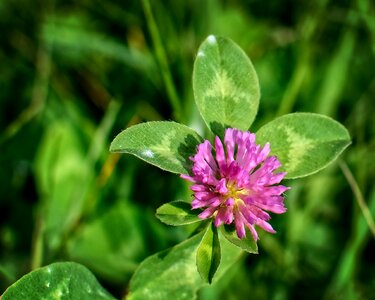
(238, 183)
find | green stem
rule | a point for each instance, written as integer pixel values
(38, 243)
(308, 28)
(97, 147)
(39, 98)
(39, 94)
(4, 273)
(295, 85)
(351, 255)
(162, 60)
(98, 143)
(358, 196)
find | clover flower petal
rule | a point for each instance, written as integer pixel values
(237, 182)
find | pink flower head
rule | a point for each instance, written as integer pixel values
(237, 183)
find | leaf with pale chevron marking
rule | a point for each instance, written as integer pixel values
(304, 142)
(225, 84)
(62, 280)
(167, 145)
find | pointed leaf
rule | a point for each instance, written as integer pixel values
(209, 254)
(247, 244)
(226, 87)
(304, 142)
(166, 145)
(66, 280)
(177, 213)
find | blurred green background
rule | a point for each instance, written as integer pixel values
(75, 73)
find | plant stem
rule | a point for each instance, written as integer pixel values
(162, 60)
(38, 243)
(39, 94)
(358, 196)
(39, 98)
(308, 27)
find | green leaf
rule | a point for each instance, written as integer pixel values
(112, 245)
(177, 213)
(72, 36)
(209, 254)
(247, 244)
(172, 274)
(63, 177)
(167, 145)
(304, 142)
(65, 280)
(226, 87)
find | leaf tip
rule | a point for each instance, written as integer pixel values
(211, 39)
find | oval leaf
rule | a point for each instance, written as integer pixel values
(226, 87)
(177, 213)
(304, 142)
(209, 254)
(167, 145)
(113, 244)
(247, 244)
(172, 274)
(66, 280)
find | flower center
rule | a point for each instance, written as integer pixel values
(235, 192)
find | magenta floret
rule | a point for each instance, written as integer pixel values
(237, 182)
